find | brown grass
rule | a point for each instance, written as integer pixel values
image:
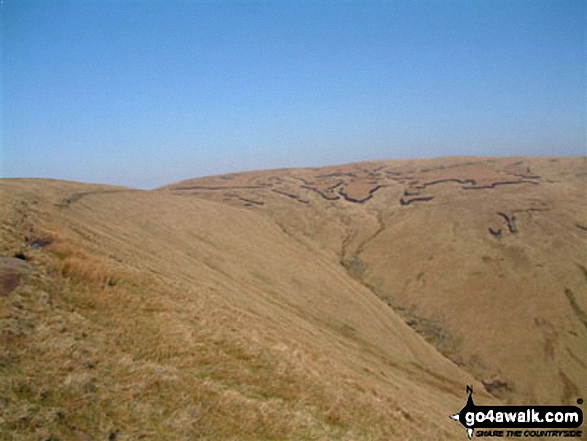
(474, 295)
(162, 315)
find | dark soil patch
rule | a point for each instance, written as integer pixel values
(11, 272)
(360, 201)
(500, 183)
(403, 201)
(291, 196)
(498, 388)
(496, 233)
(581, 315)
(510, 222)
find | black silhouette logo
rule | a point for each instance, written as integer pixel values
(516, 417)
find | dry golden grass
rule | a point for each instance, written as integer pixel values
(148, 315)
(251, 306)
(494, 301)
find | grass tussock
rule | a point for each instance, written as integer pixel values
(80, 266)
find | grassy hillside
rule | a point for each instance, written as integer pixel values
(349, 302)
(484, 257)
(129, 314)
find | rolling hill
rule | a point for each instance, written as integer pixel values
(344, 302)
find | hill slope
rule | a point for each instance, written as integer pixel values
(484, 257)
(347, 302)
(151, 315)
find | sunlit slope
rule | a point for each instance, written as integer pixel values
(484, 257)
(157, 316)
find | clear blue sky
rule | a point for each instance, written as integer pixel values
(143, 93)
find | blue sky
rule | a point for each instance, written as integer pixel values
(143, 93)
